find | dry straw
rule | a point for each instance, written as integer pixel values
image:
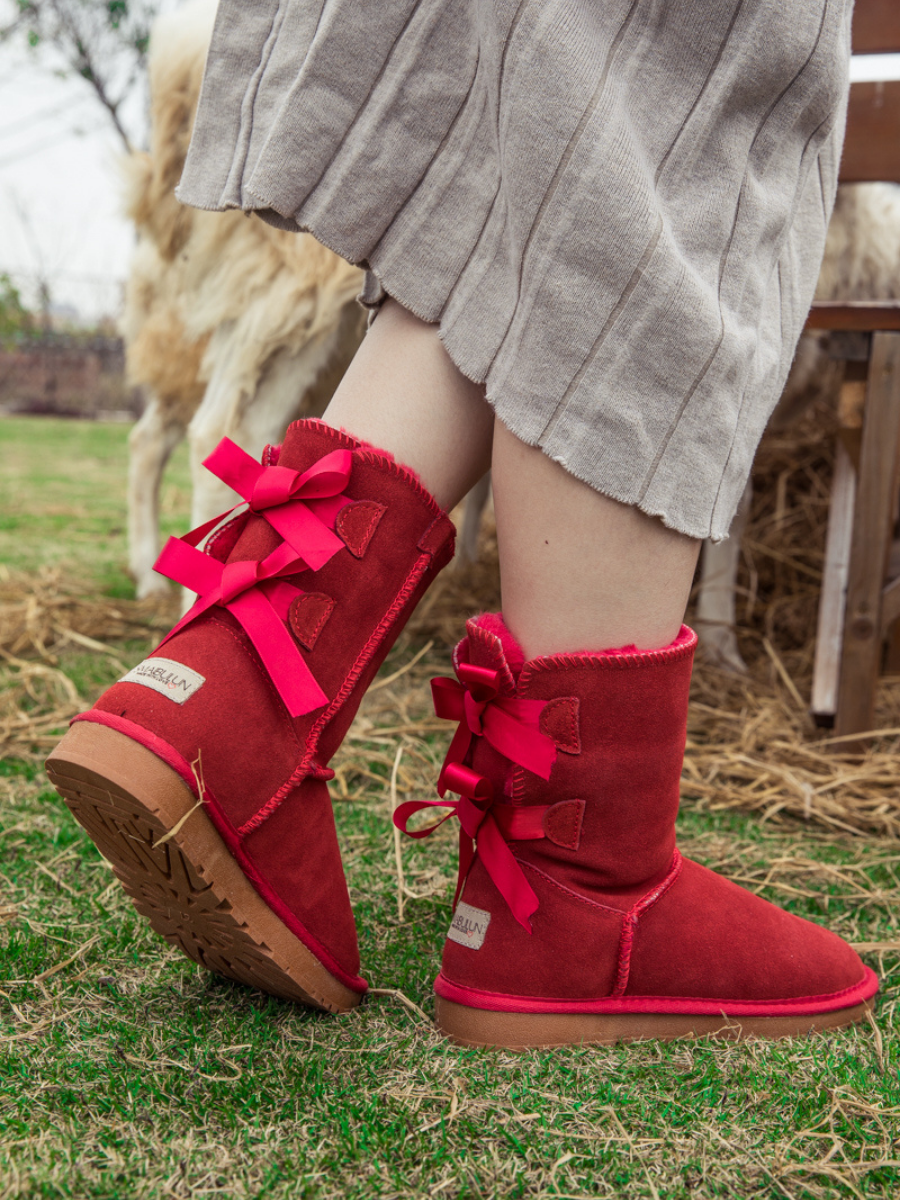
(43, 618)
(751, 744)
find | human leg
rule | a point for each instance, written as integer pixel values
(403, 393)
(580, 571)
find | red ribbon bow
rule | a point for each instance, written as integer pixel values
(512, 727)
(296, 505)
(293, 503)
(257, 595)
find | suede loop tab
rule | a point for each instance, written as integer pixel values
(560, 720)
(563, 821)
(308, 615)
(357, 523)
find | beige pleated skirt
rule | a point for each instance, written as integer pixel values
(615, 210)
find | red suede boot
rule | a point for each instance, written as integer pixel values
(579, 920)
(201, 775)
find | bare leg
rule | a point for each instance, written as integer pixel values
(469, 530)
(581, 572)
(402, 393)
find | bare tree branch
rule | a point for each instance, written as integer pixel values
(82, 57)
(104, 42)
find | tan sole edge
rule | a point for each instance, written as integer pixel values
(527, 1031)
(176, 868)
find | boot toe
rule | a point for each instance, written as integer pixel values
(707, 938)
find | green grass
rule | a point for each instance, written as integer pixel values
(62, 498)
(126, 1071)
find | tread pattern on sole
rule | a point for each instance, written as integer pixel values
(183, 896)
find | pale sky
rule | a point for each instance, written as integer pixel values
(60, 208)
(60, 203)
(60, 196)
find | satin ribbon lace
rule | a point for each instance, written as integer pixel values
(300, 507)
(512, 727)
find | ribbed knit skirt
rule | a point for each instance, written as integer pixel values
(613, 209)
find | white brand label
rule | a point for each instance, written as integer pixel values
(469, 926)
(169, 678)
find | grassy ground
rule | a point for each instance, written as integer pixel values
(62, 484)
(126, 1071)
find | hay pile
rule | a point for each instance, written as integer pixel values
(42, 617)
(751, 743)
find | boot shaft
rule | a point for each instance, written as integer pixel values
(576, 908)
(341, 621)
(619, 724)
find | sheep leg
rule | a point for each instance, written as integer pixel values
(715, 618)
(282, 395)
(150, 444)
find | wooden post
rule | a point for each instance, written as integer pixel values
(872, 536)
(833, 598)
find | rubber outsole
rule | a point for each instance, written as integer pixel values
(468, 1026)
(178, 871)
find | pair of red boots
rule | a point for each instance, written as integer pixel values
(202, 776)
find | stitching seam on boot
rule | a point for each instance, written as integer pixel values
(378, 458)
(412, 581)
(631, 919)
(609, 662)
(568, 891)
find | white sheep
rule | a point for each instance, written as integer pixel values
(232, 328)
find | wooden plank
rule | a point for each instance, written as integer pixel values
(871, 539)
(876, 27)
(890, 605)
(833, 598)
(872, 141)
(851, 414)
(862, 316)
(892, 632)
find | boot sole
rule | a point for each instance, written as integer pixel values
(179, 873)
(526, 1031)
